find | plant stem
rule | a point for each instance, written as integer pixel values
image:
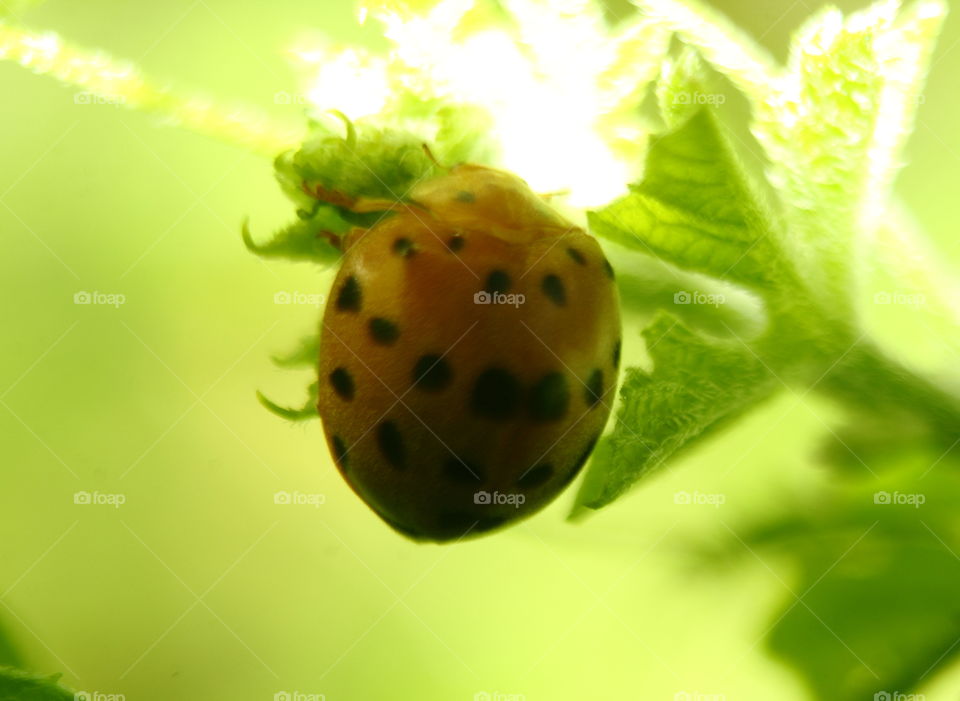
(866, 379)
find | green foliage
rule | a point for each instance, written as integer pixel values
(874, 606)
(17, 685)
(306, 239)
(697, 209)
(8, 651)
(356, 161)
(796, 238)
(832, 128)
(341, 165)
(696, 385)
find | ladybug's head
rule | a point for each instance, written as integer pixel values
(481, 198)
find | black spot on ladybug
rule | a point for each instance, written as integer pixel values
(340, 452)
(553, 288)
(497, 281)
(536, 476)
(594, 389)
(496, 395)
(616, 353)
(461, 471)
(465, 196)
(608, 269)
(390, 443)
(455, 243)
(383, 331)
(342, 383)
(404, 247)
(549, 398)
(432, 373)
(577, 256)
(350, 296)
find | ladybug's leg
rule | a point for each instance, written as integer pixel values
(335, 240)
(334, 197)
(356, 233)
(342, 242)
(371, 204)
(360, 205)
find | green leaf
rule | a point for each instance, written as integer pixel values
(304, 239)
(695, 386)
(822, 123)
(17, 685)
(368, 162)
(353, 162)
(462, 134)
(728, 48)
(833, 123)
(874, 605)
(832, 127)
(696, 209)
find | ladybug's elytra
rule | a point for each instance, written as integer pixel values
(468, 354)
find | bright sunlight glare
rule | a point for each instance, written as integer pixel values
(547, 80)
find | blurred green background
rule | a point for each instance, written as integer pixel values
(199, 586)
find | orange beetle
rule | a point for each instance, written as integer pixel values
(468, 355)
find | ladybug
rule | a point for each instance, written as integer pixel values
(468, 356)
